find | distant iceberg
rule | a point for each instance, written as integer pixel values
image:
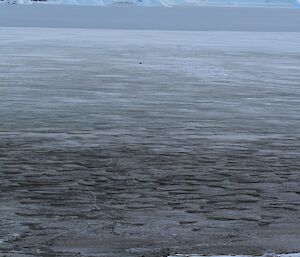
(264, 3)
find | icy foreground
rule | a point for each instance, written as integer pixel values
(265, 255)
(130, 143)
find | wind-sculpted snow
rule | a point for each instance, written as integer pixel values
(131, 143)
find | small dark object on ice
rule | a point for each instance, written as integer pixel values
(140, 62)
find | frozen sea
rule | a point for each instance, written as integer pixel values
(183, 18)
(121, 143)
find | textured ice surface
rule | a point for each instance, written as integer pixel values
(265, 255)
(195, 150)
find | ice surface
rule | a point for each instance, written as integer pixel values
(184, 18)
(267, 254)
(195, 150)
